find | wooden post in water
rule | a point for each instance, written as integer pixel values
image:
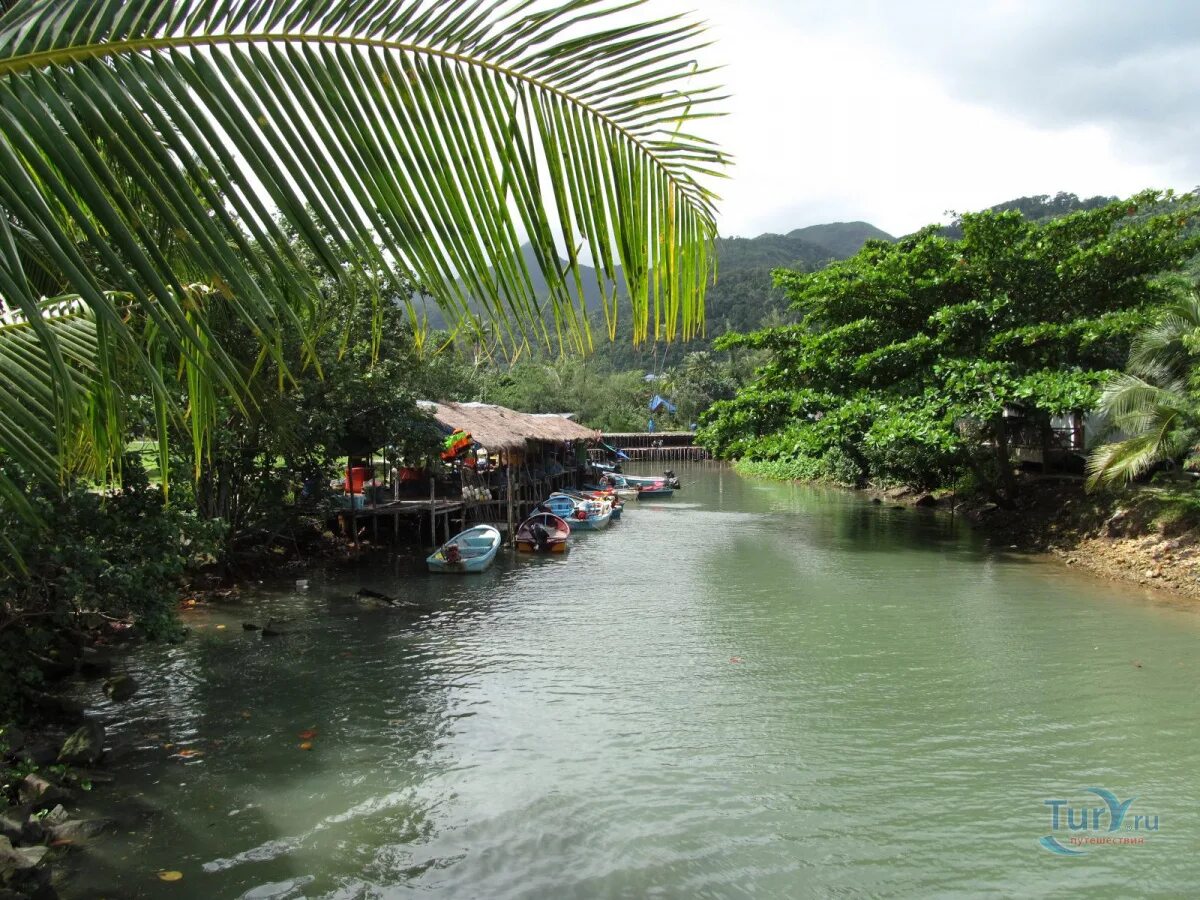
(432, 510)
(508, 470)
(353, 514)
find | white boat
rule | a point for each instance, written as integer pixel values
(472, 550)
(617, 483)
(580, 513)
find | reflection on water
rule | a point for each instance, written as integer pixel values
(749, 688)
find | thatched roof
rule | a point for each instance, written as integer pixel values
(500, 428)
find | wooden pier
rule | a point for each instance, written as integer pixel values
(667, 446)
(437, 518)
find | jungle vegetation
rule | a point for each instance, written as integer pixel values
(909, 357)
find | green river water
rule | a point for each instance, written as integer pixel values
(750, 689)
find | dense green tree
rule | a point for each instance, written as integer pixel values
(909, 354)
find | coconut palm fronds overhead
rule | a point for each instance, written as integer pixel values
(435, 136)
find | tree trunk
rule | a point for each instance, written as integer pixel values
(1005, 477)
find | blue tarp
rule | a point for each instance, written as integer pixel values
(658, 402)
(614, 451)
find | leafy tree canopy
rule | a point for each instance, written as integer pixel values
(907, 355)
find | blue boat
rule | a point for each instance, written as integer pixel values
(472, 550)
(599, 494)
(584, 514)
(562, 506)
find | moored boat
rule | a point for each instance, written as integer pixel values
(657, 490)
(669, 478)
(472, 550)
(618, 485)
(605, 494)
(543, 532)
(587, 514)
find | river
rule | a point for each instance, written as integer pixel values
(748, 689)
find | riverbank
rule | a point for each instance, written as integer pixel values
(1148, 536)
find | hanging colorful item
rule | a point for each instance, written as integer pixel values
(455, 444)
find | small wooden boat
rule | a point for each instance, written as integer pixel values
(605, 494)
(472, 550)
(543, 532)
(657, 490)
(618, 485)
(587, 514)
(561, 505)
(669, 478)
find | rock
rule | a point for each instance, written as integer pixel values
(12, 738)
(77, 830)
(84, 747)
(54, 707)
(40, 753)
(33, 831)
(95, 663)
(35, 828)
(40, 793)
(120, 688)
(53, 669)
(18, 859)
(56, 816)
(10, 824)
(926, 500)
(876, 501)
(1119, 523)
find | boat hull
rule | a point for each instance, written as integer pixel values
(554, 546)
(592, 523)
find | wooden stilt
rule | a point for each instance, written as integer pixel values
(509, 492)
(432, 511)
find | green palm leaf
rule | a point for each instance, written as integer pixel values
(433, 136)
(1151, 406)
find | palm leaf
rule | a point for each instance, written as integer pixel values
(433, 136)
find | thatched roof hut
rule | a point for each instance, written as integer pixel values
(499, 428)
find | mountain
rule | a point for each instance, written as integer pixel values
(744, 296)
(841, 239)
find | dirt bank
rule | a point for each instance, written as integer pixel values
(1148, 536)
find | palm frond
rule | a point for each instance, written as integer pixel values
(1163, 351)
(433, 136)
(31, 412)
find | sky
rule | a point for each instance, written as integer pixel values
(897, 112)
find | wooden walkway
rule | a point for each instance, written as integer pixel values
(437, 512)
(665, 446)
(437, 518)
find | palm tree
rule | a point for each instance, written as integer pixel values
(431, 136)
(1153, 403)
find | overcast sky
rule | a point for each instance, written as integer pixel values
(895, 111)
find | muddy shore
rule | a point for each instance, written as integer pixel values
(1130, 536)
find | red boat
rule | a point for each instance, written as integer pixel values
(543, 532)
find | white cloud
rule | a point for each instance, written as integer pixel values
(897, 112)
